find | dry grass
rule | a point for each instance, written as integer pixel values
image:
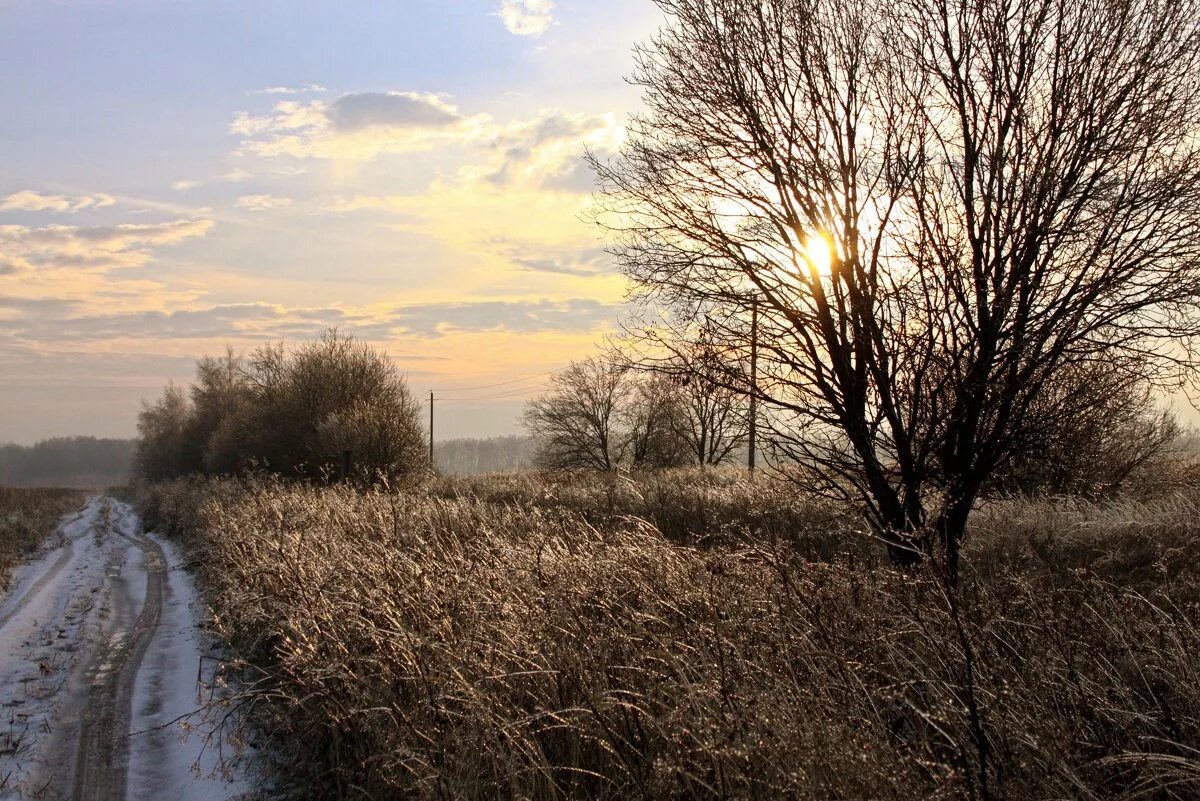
(507, 638)
(28, 516)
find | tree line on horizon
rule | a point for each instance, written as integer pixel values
(80, 461)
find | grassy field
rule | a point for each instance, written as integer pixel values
(28, 516)
(692, 635)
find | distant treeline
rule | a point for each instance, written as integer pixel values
(472, 456)
(67, 462)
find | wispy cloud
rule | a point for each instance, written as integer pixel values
(256, 321)
(575, 315)
(314, 88)
(574, 260)
(94, 248)
(262, 202)
(234, 176)
(527, 17)
(30, 200)
(544, 152)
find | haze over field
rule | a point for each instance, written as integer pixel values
(182, 176)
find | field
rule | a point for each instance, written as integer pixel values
(693, 635)
(27, 517)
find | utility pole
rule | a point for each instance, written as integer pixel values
(431, 429)
(753, 383)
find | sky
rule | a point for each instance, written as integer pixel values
(179, 175)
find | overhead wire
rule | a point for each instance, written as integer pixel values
(510, 394)
(500, 384)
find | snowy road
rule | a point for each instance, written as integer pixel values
(101, 672)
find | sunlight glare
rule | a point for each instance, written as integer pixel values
(819, 254)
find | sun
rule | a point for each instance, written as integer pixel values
(818, 252)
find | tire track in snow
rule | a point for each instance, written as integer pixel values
(51, 573)
(101, 641)
(102, 757)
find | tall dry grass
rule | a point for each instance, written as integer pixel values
(27, 517)
(511, 639)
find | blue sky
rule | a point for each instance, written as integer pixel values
(179, 175)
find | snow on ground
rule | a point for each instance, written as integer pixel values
(71, 641)
(46, 622)
(174, 736)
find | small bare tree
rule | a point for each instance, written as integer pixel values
(162, 450)
(715, 420)
(655, 419)
(936, 209)
(576, 422)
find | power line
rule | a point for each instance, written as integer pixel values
(511, 394)
(501, 384)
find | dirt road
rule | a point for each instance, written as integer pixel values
(100, 685)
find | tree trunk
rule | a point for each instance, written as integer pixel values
(906, 544)
(951, 525)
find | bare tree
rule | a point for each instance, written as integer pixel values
(937, 209)
(576, 422)
(712, 389)
(162, 448)
(654, 423)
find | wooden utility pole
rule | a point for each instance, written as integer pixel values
(753, 383)
(431, 429)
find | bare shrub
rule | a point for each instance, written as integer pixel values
(1093, 431)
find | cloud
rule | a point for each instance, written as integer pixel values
(234, 320)
(234, 176)
(358, 126)
(527, 17)
(582, 262)
(314, 88)
(29, 200)
(355, 112)
(262, 202)
(546, 152)
(257, 321)
(97, 248)
(576, 315)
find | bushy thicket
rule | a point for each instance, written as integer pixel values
(1097, 432)
(519, 639)
(67, 462)
(28, 516)
(311, 413)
